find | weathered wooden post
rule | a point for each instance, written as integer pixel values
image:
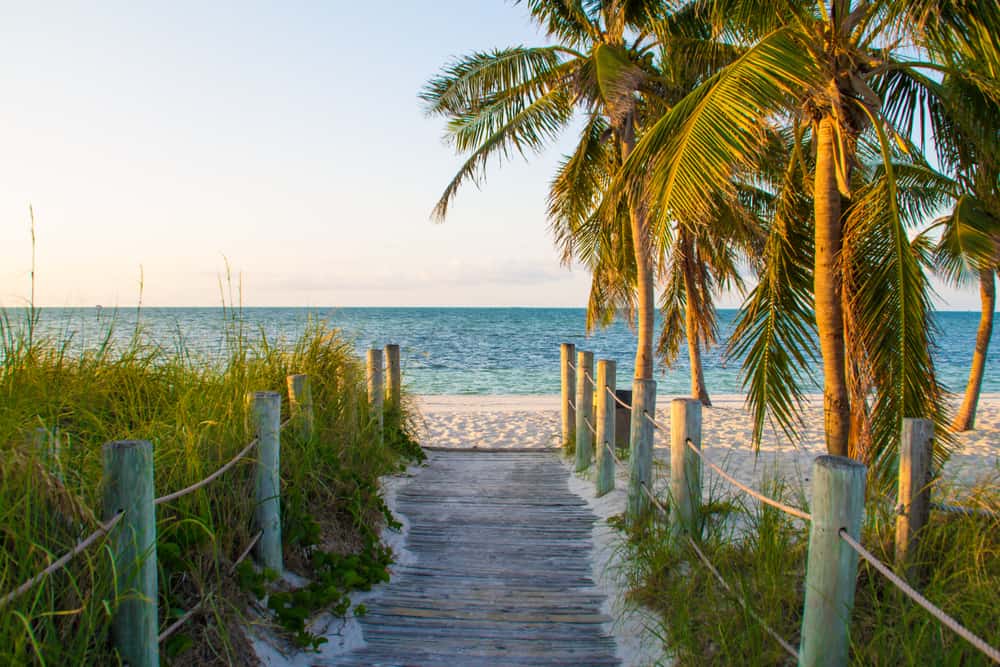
(605, 426)
(838, 501)
(47, 445)
(300, 403)
(566, 353)
(376, 391)
(393, 389)
(685, 466)
(641, 447)
(584, 409)
(128, 488)
(267, 416)
(915, 449)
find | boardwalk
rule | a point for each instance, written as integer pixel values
(502, 572)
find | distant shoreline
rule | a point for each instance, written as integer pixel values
(731, 309)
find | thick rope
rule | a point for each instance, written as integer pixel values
(656, 424)
(618, 400)
(914, 595)
(767, 628)
(652, 498)
(967, 511)
(590, 426)
(208, 480)
(611, 450)
(61, 562)
(704, 559)
(746, 489)
(218, 473)
(193, 610)
(743, 487)
(105, 528)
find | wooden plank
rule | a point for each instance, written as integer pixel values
(500, 573)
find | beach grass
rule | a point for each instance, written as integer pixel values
(196, 414)
(761, 553)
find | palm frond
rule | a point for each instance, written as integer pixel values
(889, 306)
(969, 242)
(578, 186)
(479, 79)
(569, 21)
(503, 132)
(689, 156)
(775, 330)
(673, 302)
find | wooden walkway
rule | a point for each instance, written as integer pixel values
(502, 572)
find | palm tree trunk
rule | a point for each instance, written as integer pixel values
(826, 277)
(692, 307)
(965, 420)
(639, 220)
(646, 301)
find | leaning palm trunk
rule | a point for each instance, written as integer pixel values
(692, 307)
(698, 389)
(965, 420)
(829, 310)
(646, 303)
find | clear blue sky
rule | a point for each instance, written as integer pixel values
(284, 138)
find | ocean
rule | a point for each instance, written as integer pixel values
(474, 350)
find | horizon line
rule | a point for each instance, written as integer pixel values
(336, 307)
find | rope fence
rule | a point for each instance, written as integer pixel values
(915, 595)
(176, 625)
(833, 587)
(966, 511)
(61, 562)
(129, 500)
(105, 528)
(618, 400)
(722, 581)
(787, 509)
(208, 480)
(614, 456)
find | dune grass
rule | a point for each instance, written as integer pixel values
(195, 412)
(762, 552)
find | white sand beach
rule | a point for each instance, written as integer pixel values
(513, 421)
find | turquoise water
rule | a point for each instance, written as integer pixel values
(474, 350)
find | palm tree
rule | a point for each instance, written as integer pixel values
(838, 73)
(596, 229)
(966, 252)
(517, 100)
(701, 261)
(967, 127)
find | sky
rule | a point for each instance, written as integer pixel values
(161, 146)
